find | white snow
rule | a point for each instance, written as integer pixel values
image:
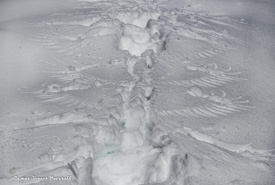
(137, 92)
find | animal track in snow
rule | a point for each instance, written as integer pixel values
(119, 73)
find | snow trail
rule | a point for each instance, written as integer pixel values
(129, 72)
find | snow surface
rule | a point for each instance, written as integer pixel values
(168, 92)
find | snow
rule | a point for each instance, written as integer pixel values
(137, 92)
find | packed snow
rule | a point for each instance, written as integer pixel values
(144, 92)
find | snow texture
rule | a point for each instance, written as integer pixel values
(162, 92)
